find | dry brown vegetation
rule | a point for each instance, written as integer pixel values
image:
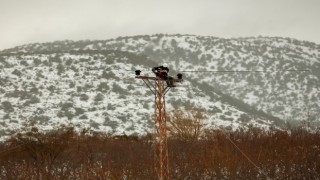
(65, 154)
(186, 123)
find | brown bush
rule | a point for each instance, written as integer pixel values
(186, 123)
(65, 154)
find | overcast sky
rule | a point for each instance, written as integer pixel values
(30, 21)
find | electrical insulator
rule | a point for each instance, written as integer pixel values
(138, 72)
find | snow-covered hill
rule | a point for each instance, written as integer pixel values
(91, 83)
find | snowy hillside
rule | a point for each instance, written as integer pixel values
(91, 84)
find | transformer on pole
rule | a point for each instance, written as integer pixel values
(159, 87)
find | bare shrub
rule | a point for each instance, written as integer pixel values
(66, 154)
(186, 123)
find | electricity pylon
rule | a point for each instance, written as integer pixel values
(159, 88)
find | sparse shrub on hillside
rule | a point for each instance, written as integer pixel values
(123, 118)
(228, 113)
(74, 68)
(3, 132)
(130, 128)
(66, 110)
(34, 99)
(79, 111)
(18, 94)
(122, 96)
(118, 89)
(79, 89)
(111, 107)
(84, 97)
(96, 57)
(34, 90)
(224, 117)
(60, 68)
(69, 62)
(244, 118)
(55, 59)
(110, 123)
(47, 63)
(51, 88)
(3, 81)
(176, 102)
(173, 43)
(24, 63)
(72, 84)
(84, 60)
(36, 62)
(92, 109)
(16, 72)
(99, 97)
(103, 87)
(83, 116)
(145, 105)
(130, 87)
(6, 116)
(7, 106)
(87, 87)
(40, 75)
(69, 114)
(41, 119)
(66, 105)
(94, 124)
(4, 62)
(214, 110)
(108, 75)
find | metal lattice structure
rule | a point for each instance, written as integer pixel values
(159, 88)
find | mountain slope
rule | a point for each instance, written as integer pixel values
(96, 90)
(91, 83)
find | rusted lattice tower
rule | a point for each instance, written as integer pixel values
(159, 88)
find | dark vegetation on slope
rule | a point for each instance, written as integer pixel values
(65, 154)
(135, 59)
(217, 94)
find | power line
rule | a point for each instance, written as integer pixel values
(246, 156)
(248, 71)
